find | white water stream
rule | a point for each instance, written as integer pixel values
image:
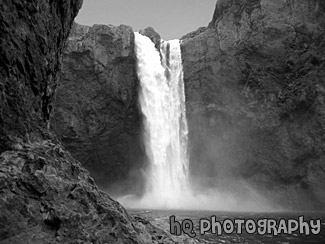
(162, 101)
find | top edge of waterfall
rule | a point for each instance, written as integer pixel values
(161, 40)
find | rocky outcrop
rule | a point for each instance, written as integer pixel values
(47, 197)
(45, 194)
(153, 35)
(32, 36)
(255, 98)
(96, 107)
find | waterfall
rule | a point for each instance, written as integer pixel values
(162, 100)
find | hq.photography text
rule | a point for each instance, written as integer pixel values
(263, 226)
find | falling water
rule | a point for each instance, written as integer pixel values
(162, 101)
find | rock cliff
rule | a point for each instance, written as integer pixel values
(32, 36)
(255, 98)
(46, 196)
(96, 107)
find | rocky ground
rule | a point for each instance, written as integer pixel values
(48, 197)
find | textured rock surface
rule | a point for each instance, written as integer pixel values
(32, 36)
(96, 109)
(153, 35)
(256, 98)
(47, 197)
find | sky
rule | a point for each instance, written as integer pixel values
(170, 18)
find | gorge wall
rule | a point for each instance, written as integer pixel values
(255, 99)
(46, 196)
(97, 114)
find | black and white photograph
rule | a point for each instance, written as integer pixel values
(162, 121)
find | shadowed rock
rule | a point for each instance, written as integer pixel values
(32, 38)
(96, 111)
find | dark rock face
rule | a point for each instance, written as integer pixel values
(32, 36)
(96, 108)
(45, 194)
(256, 98)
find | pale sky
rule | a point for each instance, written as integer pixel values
(170, 18)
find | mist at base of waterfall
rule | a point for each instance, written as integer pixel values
(211, 199)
